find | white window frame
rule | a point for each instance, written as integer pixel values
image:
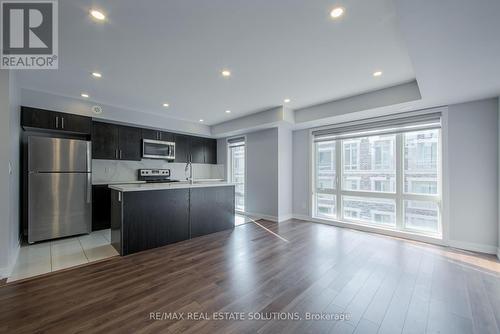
(228, 171)
(356, 143)
(399, 196)
(374, 164)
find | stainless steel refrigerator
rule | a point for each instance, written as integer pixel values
(59, 188)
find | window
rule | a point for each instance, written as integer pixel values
(421, 162)
(389, 179)
(351, 155)
(370, 210)
(375, 168)
(383, 154)
(325, 179)
(236, 170)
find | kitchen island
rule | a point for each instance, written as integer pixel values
(145, 216)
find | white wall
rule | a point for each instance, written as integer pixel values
(473, 168)
(4, 172)
(222, 155)
(301, 173)
(44, 100)
(473, 175)
(285, 170)
(9, 172)
(262, 173)
(15, 164)
(262, 181)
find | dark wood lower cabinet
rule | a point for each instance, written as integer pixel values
(101, 202)
(212, 210)
(143, 220)
(153, 218)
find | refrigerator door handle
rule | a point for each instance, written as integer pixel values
(89, 157)
(89, 188)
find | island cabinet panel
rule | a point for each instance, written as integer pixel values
(116, 215)
(212, 210)
(154, 219)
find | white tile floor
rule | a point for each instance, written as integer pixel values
(45, 257)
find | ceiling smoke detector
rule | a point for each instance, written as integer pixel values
(97, 110)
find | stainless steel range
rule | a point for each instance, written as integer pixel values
(155, 175)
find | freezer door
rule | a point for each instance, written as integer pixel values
(47, 154)
(59, 205)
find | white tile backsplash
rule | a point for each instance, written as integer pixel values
(125, 171)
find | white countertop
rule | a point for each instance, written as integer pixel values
(165, 186)
(98, 183)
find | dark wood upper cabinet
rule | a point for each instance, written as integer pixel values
(151, 134)
(157, 135)
(104, 141)
(115, 142)
(167, 136)
(129, 143)
(118, 142)
(181, 148)
(197, 150)
(75, 123)
(211, 151)
(34, 118)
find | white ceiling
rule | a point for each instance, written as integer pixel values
(157, 51)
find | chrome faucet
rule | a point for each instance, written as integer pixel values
(189, 166)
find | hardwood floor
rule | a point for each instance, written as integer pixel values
(382, 284)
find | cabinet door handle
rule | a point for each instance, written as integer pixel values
(57, 122)
(120, 154)
(62, 122)
(116, 153)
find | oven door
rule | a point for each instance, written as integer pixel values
(156, 149)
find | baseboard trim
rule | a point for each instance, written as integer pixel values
(301, 217)
(286, 217)
(473, 247)
(5, 272)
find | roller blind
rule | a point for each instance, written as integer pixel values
(380, 125)
(236, 141)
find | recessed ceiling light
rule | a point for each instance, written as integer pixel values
(228, 111)
(287, 100)
(377, 73)
(201, 120)
(85, 95)
(98, 15)
(226, 73)
(165, 105)
(97, 74)
(337, 12)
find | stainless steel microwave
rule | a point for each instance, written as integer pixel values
(157, 149)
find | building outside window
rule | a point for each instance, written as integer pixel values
(387, 180)
(236, 170)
